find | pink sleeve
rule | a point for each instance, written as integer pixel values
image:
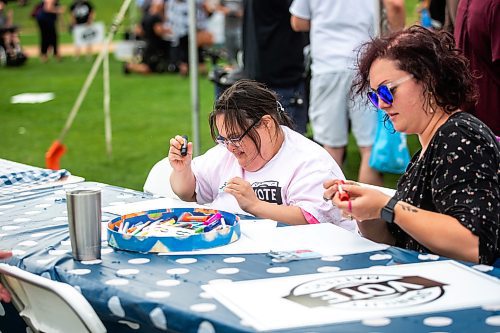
(309, 218)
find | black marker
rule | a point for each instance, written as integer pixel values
(184, 148)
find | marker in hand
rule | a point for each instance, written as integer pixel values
(184, 147)
(343, 195)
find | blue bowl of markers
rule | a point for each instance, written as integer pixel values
(173, 230)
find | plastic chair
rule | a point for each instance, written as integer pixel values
(49, 306)
(158, 180)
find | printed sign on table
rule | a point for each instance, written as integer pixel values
(376, 292)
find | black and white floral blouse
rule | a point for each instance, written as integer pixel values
(458, 175)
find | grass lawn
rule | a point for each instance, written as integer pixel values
(146, 113)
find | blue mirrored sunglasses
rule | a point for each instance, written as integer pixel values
(384, 92)
(235, 141)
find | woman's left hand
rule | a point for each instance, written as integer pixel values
(243, 192)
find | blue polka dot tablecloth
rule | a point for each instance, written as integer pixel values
(147, 292)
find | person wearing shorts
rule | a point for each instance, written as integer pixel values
(337, 29)
(332, 111)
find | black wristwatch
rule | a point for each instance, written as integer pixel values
(387, 213)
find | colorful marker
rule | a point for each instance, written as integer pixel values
(188, 217)
(139, 228)
(213, 218)
(125, 227)
(209, 227)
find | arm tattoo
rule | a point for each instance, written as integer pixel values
(409, 208)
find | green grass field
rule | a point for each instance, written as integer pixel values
(146, 113)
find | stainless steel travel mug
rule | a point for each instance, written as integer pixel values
(84, 219)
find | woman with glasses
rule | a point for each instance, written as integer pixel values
(260, 165)
(448, 200)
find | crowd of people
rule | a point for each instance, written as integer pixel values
(442, 89)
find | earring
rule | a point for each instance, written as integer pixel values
(432, 102)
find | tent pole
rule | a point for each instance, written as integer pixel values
(106, 102)
(193, 76)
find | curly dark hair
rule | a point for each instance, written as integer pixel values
(243, 104)
(433, 60)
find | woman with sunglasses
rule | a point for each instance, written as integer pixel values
(260, 165)
(448, 200)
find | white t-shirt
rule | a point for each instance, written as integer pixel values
(294, 176)
(338, 28)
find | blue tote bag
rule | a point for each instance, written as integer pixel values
(390, 152)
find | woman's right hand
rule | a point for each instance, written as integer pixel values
(177, 161)
(363, 203)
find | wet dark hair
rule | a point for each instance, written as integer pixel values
(433, 60)
(244, 103)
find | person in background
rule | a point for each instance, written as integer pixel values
(337, 28)
(274, 54)
(143, 5)
(156, 56)
(82, 13)
(448, 200)
(8, 32)
(477, 34)
(4, 294)
(233, 21)
(442, 13)
(178, 20)
(395, 14)
(260, 166)
(46, 20)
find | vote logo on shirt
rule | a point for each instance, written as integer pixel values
(367, 291)
(268, 191)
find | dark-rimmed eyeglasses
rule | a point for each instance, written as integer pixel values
(385, 92)
(235, 141)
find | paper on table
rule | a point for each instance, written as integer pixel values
(248, 243)
(388, 191)
(152, 204)
(104, 231)
(7, 166)
(262, 236)
(324, 238)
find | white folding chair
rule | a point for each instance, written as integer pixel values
(49, 306)
(158, 180)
